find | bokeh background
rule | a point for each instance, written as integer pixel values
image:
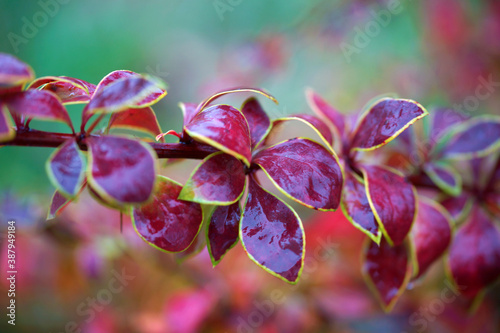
(436, 52)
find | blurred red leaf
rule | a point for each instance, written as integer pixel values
(13, 71)
(143, 119)
(325, 111)
(257, 119)
(223, 229)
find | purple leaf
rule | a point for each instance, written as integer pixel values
(38, 104)
(458, 207)
(218, 180)
(430, 235)
(325, 111)
(167, 223)
(257, 119)
(120, 169)
(384, 121)
(392, 200)
(305, 171)
(13, 71)
(223, 230)
(445, 177)
(224, 128)
(474, 138)
(315, 123)
(356, 207)
(57, 204)
(442, 120)
(272, 234)
(386, 271)
(66, 168)
(474, 255)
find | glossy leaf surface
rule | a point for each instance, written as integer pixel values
(130, 92)
(168, 223)
(474, 256)
(38, 104)
(305, 171)
(218, 180)
(272, 234)
(384, 121)
(224, 128)
(188, 111)
(143, 119)
(356, 207)
(13, 71)
(223, 230)
(474, 138)
(258, 121)
(66, 168)
(325, 111)
(444, 177)
(120, 169)
(69, 90)
(386, 271)
(430, 235)
(392, 199)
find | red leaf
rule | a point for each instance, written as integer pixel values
(325, 111)
(66, 168)
(143, 120)
(69, 90)
(57, 204)
(442, 120)
(445, 177)
(120, 169)
(215, 96)
(188, 111)
(218, 180)
(384, 121)
(392, 199)
(386, 271)
(7, 131)
(474, 255)
(223, 229)
(257, 119)
(430, 235)
(168, 223)
(357, 209)
(474, 138)
(129, 92)
(38, 104)
(458, 207)
(315, 123)
(305, 171)
(272, 234)
(13, 71)
(224, 128)
(196, 247)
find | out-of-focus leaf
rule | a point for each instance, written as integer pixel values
(325, 111)
(38, 104)
(315, 123)
(57, 204)
(69, 90)
(187, 311)
(258, 121)
(215, 96)
(474, 138)
(384, 121)
(122, 94)
(224, 128)
(272, 234)
(474, 255)
(196, 247)
(167, 223)
(430, 235)
(188, 111)
(66, 168)
(223, 230)
(7, 131)
(458, 207)
(442, 120)
(121, 169)
(304, 171)
(218, 180)
(356, 207)
(143, 119)
(445, 177)
(392, 200)
(13, 71)
(386, 270)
